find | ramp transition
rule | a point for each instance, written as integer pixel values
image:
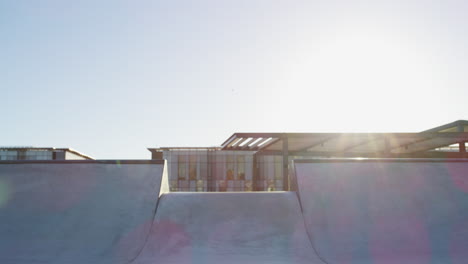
(228, 228)
(76, 212)
(386, 211)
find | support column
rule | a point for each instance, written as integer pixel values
(387, 147)
(255, 170)
(285, 164)
(461, 145)
(462, 149)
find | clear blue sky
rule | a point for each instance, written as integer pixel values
(110, 78)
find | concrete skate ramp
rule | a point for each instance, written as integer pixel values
(76, 212)
(387, 211)
(228, 228)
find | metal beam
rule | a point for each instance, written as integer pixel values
(228, 141)
(237, 146)
(457, 123)
(461, 145)
(320, 153)
(318, 143)
(259, 141)
(434, 136)
(285, 163)
(271, 142)
(427, 136)
(367, 141)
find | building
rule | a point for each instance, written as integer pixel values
(261, 161)
(207, 169)
(34, 153)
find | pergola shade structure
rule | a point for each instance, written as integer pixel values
(434, 143)
(421, 144)
(344, 144)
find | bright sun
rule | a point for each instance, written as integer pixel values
(366, 75)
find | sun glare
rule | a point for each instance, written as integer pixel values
(366, 61)
(363, 74)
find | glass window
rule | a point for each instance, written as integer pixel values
(241, 167)
(278, 167)
(222, 186)
(229, 168)
(193, 167)
(182, 167)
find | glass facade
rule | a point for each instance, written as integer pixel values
(197, 170)
(26, 155)
(38, 154)
(8, 155)
(209, 170)
(270, 173)
(215, 170)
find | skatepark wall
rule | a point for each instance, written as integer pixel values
(384, 210)
(77, 211)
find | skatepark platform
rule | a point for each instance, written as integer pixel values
(341, 211)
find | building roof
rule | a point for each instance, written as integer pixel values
(457, 126)
(16, 148)
(184, 148)
(349, 143)
(343, 142)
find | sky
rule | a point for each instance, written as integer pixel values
(111, 78)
